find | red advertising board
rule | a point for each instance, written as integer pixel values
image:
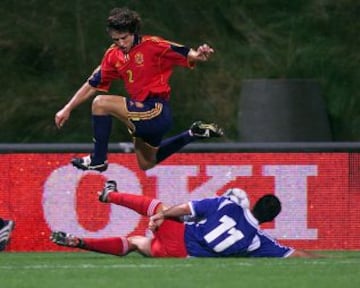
(320, 194)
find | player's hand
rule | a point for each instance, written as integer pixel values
(202, 53)
(61, 117)
(155, 221)
(205, 51)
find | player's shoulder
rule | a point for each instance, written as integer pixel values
(152, 39)
(219, 203)
(112, 50)
(156, 41)
(113, 55)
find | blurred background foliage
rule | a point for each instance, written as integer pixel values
(48, 49)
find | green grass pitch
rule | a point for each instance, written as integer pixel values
(86, 269)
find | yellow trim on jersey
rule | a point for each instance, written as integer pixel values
(147, 115)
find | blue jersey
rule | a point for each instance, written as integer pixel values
(221, 228)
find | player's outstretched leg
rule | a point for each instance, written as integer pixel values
(7, 226)
(118, 246)
(144, 205)
(198, 130)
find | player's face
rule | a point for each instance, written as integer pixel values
(124, 40)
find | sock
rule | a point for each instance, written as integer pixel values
(143, 205)
(116, 245)
(101, 128)
(171, 145)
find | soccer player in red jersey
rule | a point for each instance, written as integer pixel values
(144, 64)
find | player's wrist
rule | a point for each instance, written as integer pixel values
(162, 214)
(192, 55)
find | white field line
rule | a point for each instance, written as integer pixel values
(188, 264)
(102, 266)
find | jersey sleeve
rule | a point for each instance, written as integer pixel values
(104, 74)
(179, 53)
(203, 208)
(171, 53)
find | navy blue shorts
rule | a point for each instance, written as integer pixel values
(152, 119)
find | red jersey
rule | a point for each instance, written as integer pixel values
(145, 70)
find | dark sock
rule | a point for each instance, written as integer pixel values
(171, 145)
(101, 128)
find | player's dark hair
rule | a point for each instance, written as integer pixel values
(123, 20)
(266, 208)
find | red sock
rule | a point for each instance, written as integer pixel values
(142, 204)
(116, 246)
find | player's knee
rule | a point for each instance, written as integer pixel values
(99, 103)
(141, 244)
(146, 165)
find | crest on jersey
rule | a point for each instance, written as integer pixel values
(139, 58)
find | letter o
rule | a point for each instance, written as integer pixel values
(59, 201)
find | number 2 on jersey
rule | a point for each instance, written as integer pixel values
(226, 226)
(130, 76)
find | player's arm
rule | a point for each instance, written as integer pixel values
(174, 212)
(84, 93)
(201, 54)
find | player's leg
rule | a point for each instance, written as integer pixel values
(148, 156)
(118, 246)
(149, 147)
(198, 130)
(152, 119)
(103, 108)
(141, 244)
(144, 205)
(145, 154)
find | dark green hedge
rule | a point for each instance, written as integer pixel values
(48, 48)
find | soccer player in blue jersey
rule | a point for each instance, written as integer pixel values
(213, 227)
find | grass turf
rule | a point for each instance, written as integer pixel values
(67, 269)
